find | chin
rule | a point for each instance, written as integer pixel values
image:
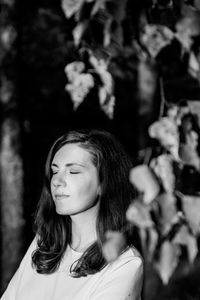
(61, 212)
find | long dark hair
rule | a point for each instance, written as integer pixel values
(54, 231)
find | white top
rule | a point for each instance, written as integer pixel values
(120, 280)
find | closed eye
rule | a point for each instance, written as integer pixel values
(54, 172)
(75, 172)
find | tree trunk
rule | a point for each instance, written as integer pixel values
(11, 170)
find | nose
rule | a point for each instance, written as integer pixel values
(59, 179)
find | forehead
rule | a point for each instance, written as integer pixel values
(72, 153)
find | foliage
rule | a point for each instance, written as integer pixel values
(80, 82)
(173, 220)
(155, 45)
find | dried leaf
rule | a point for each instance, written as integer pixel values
(185, 238)
(144, 180)
(139, 215)
(79, 31)
(168, 209)
(106, 97)
(189, 155)
(107, 32)
(79, 88)
(166, 132)
(147, 80)
(162, 166)
(188, 26)
(114, 244)
(73, 70)
(107, 102)
(168, 260)
(70, 7)
(152, 243)
(194, 107)
(98, 5)
(193, 66)
(155, 37)
(191, 208)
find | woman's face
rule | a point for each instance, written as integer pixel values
(75, 182)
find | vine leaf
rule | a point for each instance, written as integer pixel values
(79, 30)
(98, 5)
(149, 241)
(185, 238)
(188, 26)
(168, 210)
(191, 208)
(70, 7)
(139, 215)
(145, 181)
(167, 261)
(114, 244)
(163, 168)
(155, 37)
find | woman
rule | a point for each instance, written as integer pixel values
(86, 193)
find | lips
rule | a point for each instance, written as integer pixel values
(61, 196)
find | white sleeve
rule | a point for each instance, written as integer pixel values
(123, 281)
(10, 292)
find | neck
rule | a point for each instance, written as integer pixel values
(84, 229)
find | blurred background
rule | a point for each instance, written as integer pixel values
(120, 66)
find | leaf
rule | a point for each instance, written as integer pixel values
(149, 241)
(70, 7)
(139, 215)
(162, 166)
(73, 70)
(189, 155)
(107, 102)
(191, 209)
(188, 26)
(155, 37)
(193, 66)
(107, 32)
(185, 238)
(105, 92)
(113, 246)
(168, 209)
(79, 88)
(152, 243)
(144, 180)
(168, 260)
(166, 132)
(195, 109)
(98, 5)
(79, 31)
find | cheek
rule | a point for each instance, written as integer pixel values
(87, 189)
(51, 187)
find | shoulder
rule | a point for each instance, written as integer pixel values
(128, 255)
(129, 262)
(122, 278)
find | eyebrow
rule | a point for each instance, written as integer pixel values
(69, 165)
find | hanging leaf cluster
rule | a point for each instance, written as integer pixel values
(167, 213)
(155, 45)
